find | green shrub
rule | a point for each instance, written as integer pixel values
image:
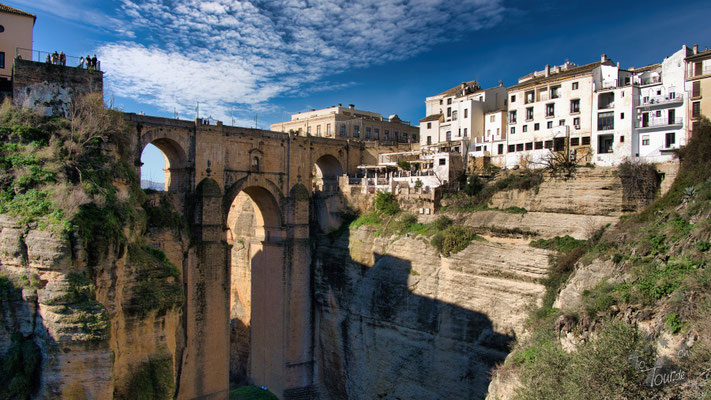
(515, 210)
(452, 240)
(369, 218)
(558, 243)
(673, 322)
(473, 186)
(21, 368)
(386, 203)
(153, 379)
(157, 288)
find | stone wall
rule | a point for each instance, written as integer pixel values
(50, 88)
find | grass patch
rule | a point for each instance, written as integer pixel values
(558, 243)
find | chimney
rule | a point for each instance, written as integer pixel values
(696, 49)
(340, 105)
(548, 69)
(351, 106)
(603, 58)
(618, 64)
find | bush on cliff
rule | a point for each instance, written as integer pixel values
(20, 368)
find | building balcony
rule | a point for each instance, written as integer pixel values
(660, 123)
(647, 81)
(605, 85)
(671, 98)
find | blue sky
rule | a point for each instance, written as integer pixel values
(271, 58)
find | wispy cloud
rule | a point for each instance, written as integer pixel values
(227, 52)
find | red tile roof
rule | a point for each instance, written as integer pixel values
(8, 9)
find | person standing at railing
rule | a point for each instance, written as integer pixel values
(62, 59)
(55, 58)
(49, 59)
(94, 61)
(81, 63)
(88, 62)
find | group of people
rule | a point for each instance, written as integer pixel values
(57, 58)
(61, 59)
(91, 62)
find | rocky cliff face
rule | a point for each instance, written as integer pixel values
(395, 319)
(94, 333)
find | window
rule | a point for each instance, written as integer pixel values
(492, 118)
(658, 113)
(449, 112)
(356, 131)
(429, 125)
(429, 139)
(442, 161)
(488, 132)
(513, 130)
(529, 96)
(696, 89)
(512, 117)
(576, 122)
(585, 140)
(512, 148)
(622, 115)
(696, 109)
(477, 148)
(536, 126)
(301, 130)
(454, 115)
(513, 98)
(328, 129)
(525, 128)
(367, 132)
(308, 130)
(343, 130)
(387, 135)
(669, 140)
(377, 133)
(440, 102)
(548, 144)
(622, 139)
(2, 28)
(645, 140)
(538, 145)
(529, 113)
(2, 59)
(529, 146)
(549, 125)
(501, 148)
(449, 101)
(575, 141)
(698, 70)
(465, 132)
(466, 113)
(575, 85)
(255, 164)
(555, 92)
(574, 106)
(519, 147)
(318, 130)
(606, 121)
(561, 122)
(459, 133)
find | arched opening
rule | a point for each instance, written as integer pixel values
(256, 235)
(326, 172)
(163, 164)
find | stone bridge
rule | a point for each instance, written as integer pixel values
(209, 169)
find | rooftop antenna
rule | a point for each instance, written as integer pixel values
(255, 121)
(232, 114)
(175, 113)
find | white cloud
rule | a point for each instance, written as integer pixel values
(228, 52)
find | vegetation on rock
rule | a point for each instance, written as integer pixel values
(153, 379)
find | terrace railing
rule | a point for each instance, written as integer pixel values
(43, 56)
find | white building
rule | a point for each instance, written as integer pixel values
(660, 109)
(457, 115)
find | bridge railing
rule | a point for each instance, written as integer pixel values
(45, 56)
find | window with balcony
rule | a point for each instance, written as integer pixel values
(605, 121)
(530, 96)
(529, 113)
(574, 106)
(604, 143)
(696, 109)
(550, 109)
(669, 139)
(605, 100)
(512, 117)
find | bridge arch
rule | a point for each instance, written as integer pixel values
(176, 158)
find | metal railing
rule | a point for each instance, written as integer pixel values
(53, 58)
(672, 97)
(658, 122)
